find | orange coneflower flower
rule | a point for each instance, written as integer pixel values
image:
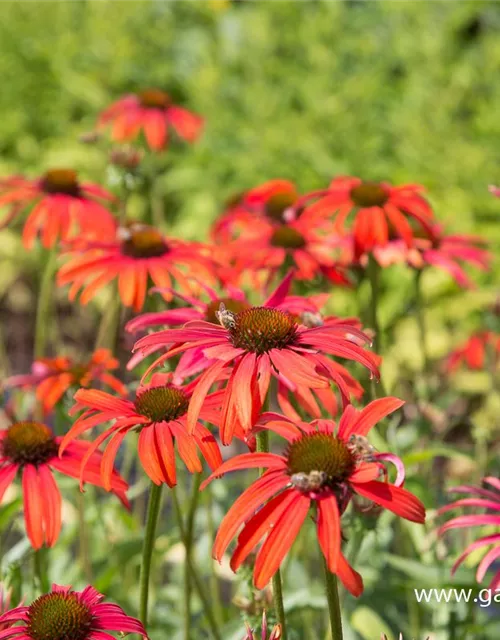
(474, 353)
(251, 346)
(446, 252)
(298, 244)
(159, 414)
(379, 209)
(247, 212)
(138, 252)
(64, 613)
(53, 377)
(62, 206)
(31, 449)
(153, 112)
(323, 465)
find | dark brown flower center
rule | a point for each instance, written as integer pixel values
(162, 404)
(59, 616)
(323, 454)
(61, 181)
(259, 330)
(234, 306)
(154, 99)
(278, 203)
(144, 242)
(29, 443)
(287, 238)
(369, 194)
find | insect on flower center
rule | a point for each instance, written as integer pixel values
(162, 404)
(61, 181)
(319, 460)
(142, 241)
(29, 443)
(287, 238)
(259, 329)
(234, 306)
(278, 203)
(154, 99)
(59, 616)
(369, 194)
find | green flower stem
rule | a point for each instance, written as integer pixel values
(420, 309)
(194, 573)
(214, 581)
(109, 329)
(373, 271)
(332, 595)
(44, 306)
(193, 503)
(263, 447)
(148, 547)
(83, 539)
(40, 568)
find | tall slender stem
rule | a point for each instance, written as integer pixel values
(420, 309)
(193, 503)
(214, 581)
(83, 539)
(263, 447)
(41, 570)
(43, 310)
(332, 595)
(148, 547)
(109, 329)
(194, 574)
(373, 276)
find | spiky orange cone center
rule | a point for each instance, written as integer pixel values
(29, 443)
(59, 616)
(162, 404)
(144, 242)
(278, 203)
(288, 238)
(369, 194)
(259, 329)
(154, 98)
(63, 181)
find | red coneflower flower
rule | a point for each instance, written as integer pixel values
(305, 310)
(297, 244)
(379, 209)
(254, 344)
(473, 354)
(323, 465)
(53, 377)
(153, 112)
(31, 449)
(488, 498)
(275, 631)
(495, 191)
(271, 201)
(159, 414)
(442, 251)
(138, 252)
(62, 207)
(64, 613)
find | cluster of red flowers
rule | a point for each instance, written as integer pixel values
(247, 367)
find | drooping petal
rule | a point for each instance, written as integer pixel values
(396, 499)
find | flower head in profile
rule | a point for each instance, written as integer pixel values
(53, 377)
(247, 212)
(275, 631)
(447, 252)
(378, 210)
(249, 347)
(153, 112)
(487, 499)
(61, 207)
(158, 414)
(63, 613)
(476, 352)
(138, 253)
(299, 244)
(323, 465)
(30, 449)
